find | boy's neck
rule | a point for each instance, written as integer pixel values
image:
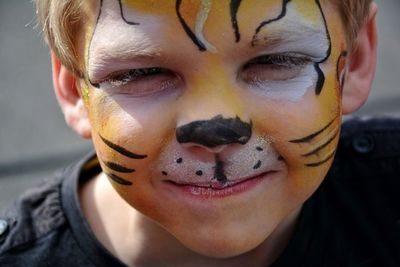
(138, 241)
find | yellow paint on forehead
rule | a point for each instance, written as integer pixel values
(216, 22)
(213, 86)
(259, 9)
(189, 10)
(156, 7)
(308, 10)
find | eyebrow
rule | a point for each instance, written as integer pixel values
(294, 36)
(120, 54)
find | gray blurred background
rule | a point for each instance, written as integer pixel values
(34, 140)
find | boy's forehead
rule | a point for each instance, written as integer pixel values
(238, 14)
(192, 8)
(210, 25)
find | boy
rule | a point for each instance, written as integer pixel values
(214, 125)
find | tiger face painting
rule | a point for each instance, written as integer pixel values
(215, 119)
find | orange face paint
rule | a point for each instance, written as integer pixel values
(224, 112)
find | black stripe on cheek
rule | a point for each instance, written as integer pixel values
(315, 151)
(187, 29)
(311, 136)
(119, 180)
(234, 9)
(319, 163)
(122, 150)
(118, 168)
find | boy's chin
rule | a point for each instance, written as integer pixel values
(254, 236)
(221, 246)
(225, 242)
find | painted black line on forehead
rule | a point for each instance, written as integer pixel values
(187, 29)
(119, 180)
(96, 85)
(234, 10)
(313, 135)
(122, 150)
(121, 9)
(264, 23)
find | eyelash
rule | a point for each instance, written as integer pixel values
(133, 75)
(140, 82)
(147, 81)
(288, 60)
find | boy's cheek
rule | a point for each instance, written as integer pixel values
(304, 132)
(129, 132)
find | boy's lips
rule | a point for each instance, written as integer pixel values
(215, 189)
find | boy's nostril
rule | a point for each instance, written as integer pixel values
(215, 132)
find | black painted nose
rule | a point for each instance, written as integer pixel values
(215, 132)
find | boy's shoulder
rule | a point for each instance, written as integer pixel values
(369, 147)
(34, 217)
(36, 228)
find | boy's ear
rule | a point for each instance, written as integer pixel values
(360, 65)
(69, 98)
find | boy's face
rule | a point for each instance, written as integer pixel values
(216, 119)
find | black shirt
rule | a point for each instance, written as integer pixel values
(353, 219)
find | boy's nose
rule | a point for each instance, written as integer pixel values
(215, 132)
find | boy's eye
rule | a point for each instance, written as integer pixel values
(275, 67)
(140, 82)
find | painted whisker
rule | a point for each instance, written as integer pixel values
(322, 146)
(119, 180)
(319, 163)
(122, 150)
(310, 137)
(118, 168)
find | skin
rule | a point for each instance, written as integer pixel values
(293, 108)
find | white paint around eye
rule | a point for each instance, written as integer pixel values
(294, 33)
(114, 41)
(288, 90)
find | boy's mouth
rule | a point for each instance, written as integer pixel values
(216, 189)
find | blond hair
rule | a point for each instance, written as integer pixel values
(60, 20)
